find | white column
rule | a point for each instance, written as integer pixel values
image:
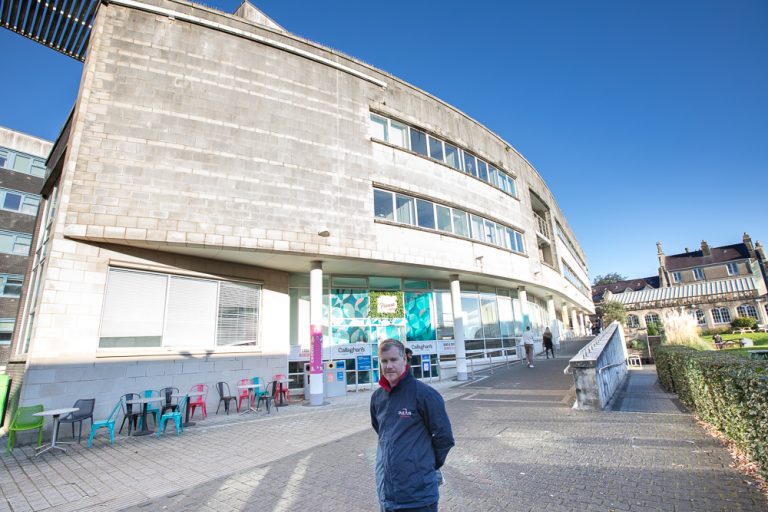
(523, 297)
(564, 318)
(316, 333)
(575, 323)
(458, 329)
(553, 323)
(760, 312)
(582, 325)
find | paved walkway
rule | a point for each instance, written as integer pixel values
(520, 447)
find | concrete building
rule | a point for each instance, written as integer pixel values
(22, 171)
(225, 195)
(716, 284)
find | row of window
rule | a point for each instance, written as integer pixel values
(15, 201)
(12, 242)
(698, 273)
(720, 315)
(408, 210)
(148, 309)
(415, 140)
(571, 276)
(21, 162)
(6, 330)
(567, 241)
(10, 285)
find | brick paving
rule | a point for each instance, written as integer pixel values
(520, 446)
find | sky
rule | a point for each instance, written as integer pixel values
(648, 119)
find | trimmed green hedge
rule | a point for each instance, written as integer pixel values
(725, 390)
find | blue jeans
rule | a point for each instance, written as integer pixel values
(425, 508)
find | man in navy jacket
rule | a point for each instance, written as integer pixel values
(414, 435)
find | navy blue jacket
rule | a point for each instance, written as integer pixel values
(414, 439)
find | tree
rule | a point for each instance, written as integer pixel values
(611, 310)
(613, 277)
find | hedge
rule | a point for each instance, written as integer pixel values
(725, 390)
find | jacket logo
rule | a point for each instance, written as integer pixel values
(404, 413)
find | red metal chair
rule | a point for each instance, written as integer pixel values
(281, 389)
(199, 401)
(243, 394)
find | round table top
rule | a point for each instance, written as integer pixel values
(191, 393)
(57, 412)
(248, 386)
(145, 400)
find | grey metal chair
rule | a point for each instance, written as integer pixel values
(226, 396)
(85, 406)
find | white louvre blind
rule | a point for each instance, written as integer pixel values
(134, 305)
(238, 314)
(191, 315)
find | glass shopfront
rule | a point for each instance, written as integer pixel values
(361, 311)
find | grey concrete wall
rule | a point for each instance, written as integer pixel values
(600, 368)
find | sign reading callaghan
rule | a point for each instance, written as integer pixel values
(423, 347)
(387, 304)
(350, 350)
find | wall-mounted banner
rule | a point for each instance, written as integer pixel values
(316, 349)
(387, 305)
(350, 350)
(423, 347)
(446, 347)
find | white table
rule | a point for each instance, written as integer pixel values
(251, 390)
(145, 401)
(279, 390)
(178, 396)
(55, 414)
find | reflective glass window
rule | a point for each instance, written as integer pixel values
(397, 134)
(478, 228)
(452, 156)
(473, 326)
(378, 127)
(22, 163)
(470, 164)
(443, 218)
(490, 232)
(482, 170)
(382, 204)
(493, 176)
(436, 148)
(12, 201)
(426, 213)
(460, 223)
(406, 211)
(418, 141)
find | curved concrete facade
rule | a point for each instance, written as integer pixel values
(206, 145)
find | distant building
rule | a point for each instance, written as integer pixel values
(22, 172)
(717, 284)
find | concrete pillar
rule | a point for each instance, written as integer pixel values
(575, 323)
(458, 329)
(523, 296)
(316, 333)
(554, 326)
(582, 325)
(564, 318)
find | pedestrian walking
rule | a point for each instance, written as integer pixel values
(548, 346)
(528, 344)
(414, 432)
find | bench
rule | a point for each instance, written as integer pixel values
(742, 330)
(727, 344)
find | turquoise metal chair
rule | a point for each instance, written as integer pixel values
(177, 416)
(25, 419)
(152, 408)
(108, 423)
(258, 392)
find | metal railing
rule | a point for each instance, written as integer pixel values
(541, 225)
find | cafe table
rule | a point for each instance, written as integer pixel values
(251, 391)
(189, 395)
(55, 414)
(279, 391)
(144, 401)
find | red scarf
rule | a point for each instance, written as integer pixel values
(384, 383)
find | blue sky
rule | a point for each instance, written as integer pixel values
(647, 119)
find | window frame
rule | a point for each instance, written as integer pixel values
(732, 268)
(698, 274)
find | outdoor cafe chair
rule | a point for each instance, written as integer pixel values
(130, 413)
(168, 404)
(244, 395)
(108, 423)
(226, 396)
(257, 392)
(24, 419)
(199, 401)
(153, 410)
(85, 406)
(282, 389)
(268, 396)
(177, 416)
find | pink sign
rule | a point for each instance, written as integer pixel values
(316, 350)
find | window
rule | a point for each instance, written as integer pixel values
(652, 318)
(633, 322)
(452, 157)
(426, 214)
(470, 164)
(382, 204)
(490, 232)
(482, 170)
(460, 224)
(418, 141)
(747, 310)
(20, 162)
(698, 274)
(397, 134)
(733, 269)
(387, 130)
(6, 330)
(3, 158)
(436, 148)
(443, 218)
(10, 285)
(478, 228)
(721, 315)
(148, 309)
(677, 277)
(379, 127)
(15, 243)
(701, 319)
(406, 209)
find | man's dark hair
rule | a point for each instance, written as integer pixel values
(389, 343)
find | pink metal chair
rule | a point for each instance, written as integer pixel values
(199, 401)
(281, 389)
